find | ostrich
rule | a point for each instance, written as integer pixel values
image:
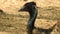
(31, 8)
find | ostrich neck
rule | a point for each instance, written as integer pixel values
(33, 15)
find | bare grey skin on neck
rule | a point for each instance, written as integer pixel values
(33, 15)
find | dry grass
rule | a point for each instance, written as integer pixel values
(16, 24)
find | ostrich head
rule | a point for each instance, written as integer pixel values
(28, 6)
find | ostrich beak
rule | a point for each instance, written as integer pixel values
(22, 9)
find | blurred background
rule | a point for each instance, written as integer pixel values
(14, 22)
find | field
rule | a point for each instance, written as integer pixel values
(16, 24)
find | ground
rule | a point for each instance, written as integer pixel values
(16, 24)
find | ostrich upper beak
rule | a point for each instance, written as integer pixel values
(22, 9)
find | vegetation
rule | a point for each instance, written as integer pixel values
(16, 24)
